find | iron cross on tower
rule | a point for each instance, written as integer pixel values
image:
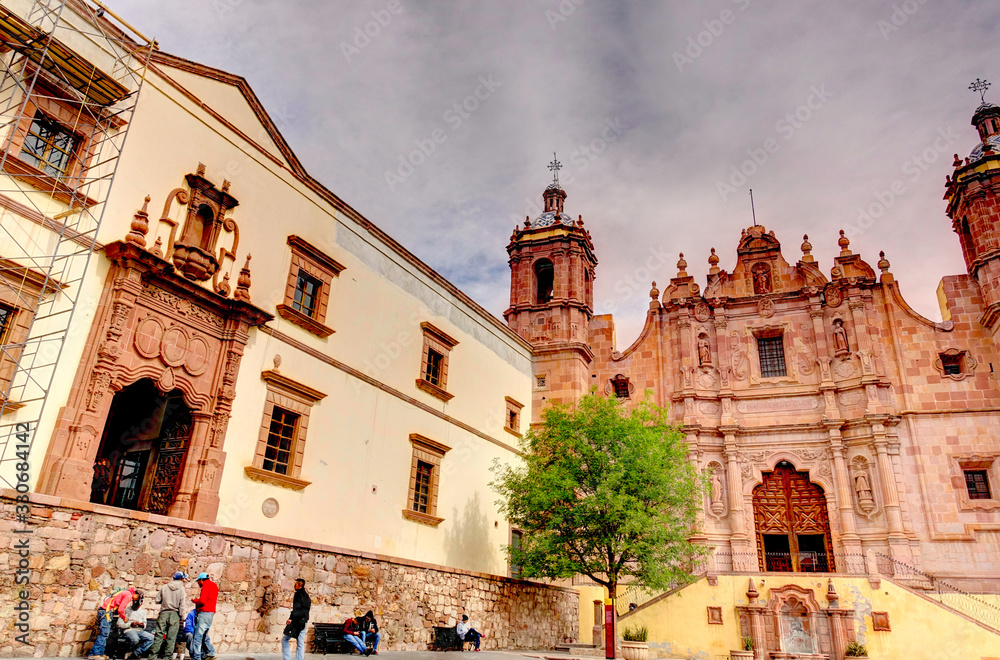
(980, 86)
(555, 166)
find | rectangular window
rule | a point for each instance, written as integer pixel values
(306, 293)
(978, 484)
(6, 316)
(279, 440)
(513, 421)
(952, 364)
(422, 487)
(432, 374)
(772, 356)
(515, 543)
(48, 146)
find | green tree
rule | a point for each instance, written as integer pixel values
(604, 491)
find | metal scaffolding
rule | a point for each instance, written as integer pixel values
(51, 207)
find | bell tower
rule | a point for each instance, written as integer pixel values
(973, 194)
(552, 266)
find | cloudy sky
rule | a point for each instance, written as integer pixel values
(436, 120)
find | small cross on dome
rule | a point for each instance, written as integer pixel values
(554, 167)
(980, 86)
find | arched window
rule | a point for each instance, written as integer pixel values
(544, 280)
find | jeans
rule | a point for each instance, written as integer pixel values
(472, 636)
(356, 642)
(300, 646)
(140, 639)
(167, 625)
(103, 630)
(201, 642)
(364, 638)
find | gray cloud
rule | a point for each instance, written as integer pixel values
(894, 76)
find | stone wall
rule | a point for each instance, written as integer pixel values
(79, 552)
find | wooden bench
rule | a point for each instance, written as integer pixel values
(329, 638)
(446, 639)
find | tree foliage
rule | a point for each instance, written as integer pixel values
(606, 492)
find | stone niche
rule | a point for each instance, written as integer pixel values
(156, 326)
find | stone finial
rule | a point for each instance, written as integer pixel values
(277, 363)
(807, 250)
(158, 247)
(831, 593)
(140, 226)
(681, 265)
(883, 263)
(579, 221)
(225, 185)
(201, 169)
(957, 162)
(752, 591)
(713, 263)
(654, 295)
(243, 283)
(527, 221)
(224, 287)
(844, 243)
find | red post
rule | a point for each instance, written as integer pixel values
(609, 628)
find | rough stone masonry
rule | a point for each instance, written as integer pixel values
(80, 553)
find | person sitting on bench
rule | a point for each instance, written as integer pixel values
(352, 630)
(135, 627)
(467, 633)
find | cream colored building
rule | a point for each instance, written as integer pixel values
(333, 388)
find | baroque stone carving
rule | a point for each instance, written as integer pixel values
(702, 312)
(708, 407)
(765, 308)
(717, 495)
(861, 482)
(182, 306)
(841, 346)
(845, 368)
(761, 273)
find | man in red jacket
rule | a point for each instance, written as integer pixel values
(205, 602)
(113, 607)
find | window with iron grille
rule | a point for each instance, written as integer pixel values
(6, 316)
(515, 543)
(422, 487)
(772, 356)
(48, 146)
(280, 437)
(952, 364)
(620, 384)
(432, 373)
(978, 484)
(307, 290)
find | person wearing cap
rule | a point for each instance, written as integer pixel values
(112, 607)
(295, 627)
(171, 598)
(205, 602)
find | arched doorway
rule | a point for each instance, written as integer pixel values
(793, 526)
(142, 450)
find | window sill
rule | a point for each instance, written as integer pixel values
(275, 479)
(434, 390)
(969, 504)
(512, 432)
(422, 518)
(36, 178)
(305, 322)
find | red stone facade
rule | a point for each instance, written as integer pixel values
(890, 417)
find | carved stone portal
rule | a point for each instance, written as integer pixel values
(184, 343)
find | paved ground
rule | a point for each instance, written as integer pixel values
(416, 655)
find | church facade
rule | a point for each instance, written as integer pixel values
(841, 431)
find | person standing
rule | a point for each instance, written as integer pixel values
(352, 636)
(205, 602)
(467, 633)
(112, 607)
(369, 628)
(295, 627)
(135, 626)
(171, 598)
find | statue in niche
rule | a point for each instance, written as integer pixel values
(761, 278)
(863, 489)
(716, 496)
(704, 351)
(840, 344)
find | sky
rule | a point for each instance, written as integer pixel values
(437, 120)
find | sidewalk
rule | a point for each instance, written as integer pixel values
(542, 654)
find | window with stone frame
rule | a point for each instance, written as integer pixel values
(434, 362)
(955, 364)
(425, 475)
(20, 290)
(621, 386)
(977, 482)
(771, 351)
(512, 423)
(55, 139)
(307, 291)
(515, 543)
(281, 441)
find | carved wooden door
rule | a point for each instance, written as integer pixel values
(164, 475)
(793, 527)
